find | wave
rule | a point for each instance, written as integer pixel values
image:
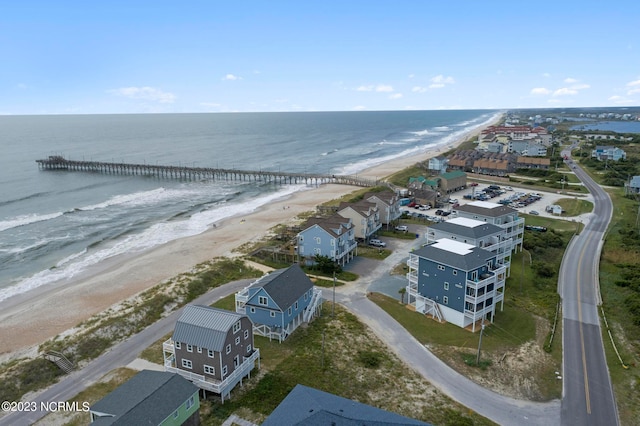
(133, 243)
(28, 197)
(27, 220)
(153, 196)
(441, 128)
(420, 133)
(329, 152)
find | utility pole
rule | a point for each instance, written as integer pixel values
(480, 343)
(333, 305)
(322, 359)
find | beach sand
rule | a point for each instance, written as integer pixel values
(29, 319)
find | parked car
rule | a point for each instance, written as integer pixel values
(533, 212)
(439, 212)
(473, 184)
(453, 201)
(402, 228)
(377, 243)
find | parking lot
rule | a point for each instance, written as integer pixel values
(520, 198)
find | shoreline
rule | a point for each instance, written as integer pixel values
(29, 319)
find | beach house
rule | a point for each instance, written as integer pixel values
(497, 214)
(388, 204)
(333, 236)
(213, 348)
(613, 153)
(149, 398)
(279, 302)
(455, 282)
(452, 181)
(438, 165)
(364, 215)
(477, 233)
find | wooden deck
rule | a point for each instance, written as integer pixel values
(56, 162)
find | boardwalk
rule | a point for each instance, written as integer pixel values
(56, 162)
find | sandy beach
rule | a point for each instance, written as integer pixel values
(28, 319)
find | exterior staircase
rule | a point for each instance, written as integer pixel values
(60, 360)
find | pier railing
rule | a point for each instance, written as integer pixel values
(56, 162)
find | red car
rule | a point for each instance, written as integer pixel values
(473, 184)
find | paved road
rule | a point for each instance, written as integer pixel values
(118, 356)
(587, 392)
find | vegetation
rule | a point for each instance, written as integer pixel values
(340, 355)
(104, 330)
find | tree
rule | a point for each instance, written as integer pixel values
(402, 292)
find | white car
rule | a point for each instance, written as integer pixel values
(377, 243)
(402, 228)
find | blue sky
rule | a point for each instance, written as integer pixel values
(88, 57)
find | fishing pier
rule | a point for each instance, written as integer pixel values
(57, 162)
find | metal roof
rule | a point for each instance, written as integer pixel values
(204, 326)
(149, 397)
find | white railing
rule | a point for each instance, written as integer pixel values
(311, 309)
(242, 297)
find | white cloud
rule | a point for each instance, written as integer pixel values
(440, 79)
(145, 93)
(395, 96)
(580, 86)
(540, 91)
(546, 74)
(359, 108)
(378, 88)
(634, 87)
(436, 86)
(570, 80)
(231, 77)
(384, 88)
(565, 91)
(419, 89)
(411, 75)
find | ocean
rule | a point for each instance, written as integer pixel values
(56, 224)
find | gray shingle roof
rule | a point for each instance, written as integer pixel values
(147, 398)
(473, 259)
(312, 407)
(204, 326)
(285, 286)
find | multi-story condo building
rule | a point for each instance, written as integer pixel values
(455, 282)
(364, 215)
(480, 234)
(497, 214)
(333, 237)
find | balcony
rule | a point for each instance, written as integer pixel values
(412, 276)
(413, 262)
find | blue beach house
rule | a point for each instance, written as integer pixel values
(279, 302)
(603, 153)
(455, 282)
(333, 237)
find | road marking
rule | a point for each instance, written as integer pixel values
(584, 354)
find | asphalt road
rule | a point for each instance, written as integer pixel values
(118, 356)
(587, 392)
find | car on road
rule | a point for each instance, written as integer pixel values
(377, 243)
(402, 228)
(453, 201)
(533, 212)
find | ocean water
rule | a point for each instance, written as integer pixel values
(56, 224)
(612, 126)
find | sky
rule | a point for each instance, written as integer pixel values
(93, 57)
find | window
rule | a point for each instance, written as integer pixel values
(273, 314)
(248, 348)
(187, 363)
(190, 402)
(246, 334)
(446, 286)
(209, 370)
(177, 345)
(289, 310)
(199, 349)
(176, 414)
(441, 267)
(262, 300)
(236, 327)
(455, 272)
(210, 353)
(236, 361)
(301, 238)
(189, 348)
(317, 250)
(252, 310)
(238, 340)
(445, 300)
(224, 371)
(317, 240)
(295, 305)
(229, 348)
